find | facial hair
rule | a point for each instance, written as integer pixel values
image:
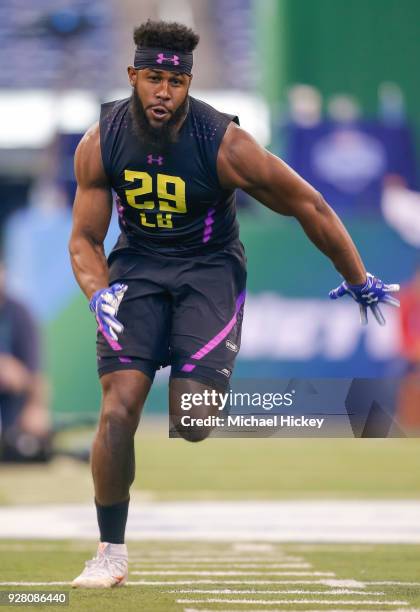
(155, 139)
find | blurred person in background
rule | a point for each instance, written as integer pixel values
(176, 277)
(24, 416)
(401, 208)
(409, 399)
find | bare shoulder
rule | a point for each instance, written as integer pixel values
(88, 164)
(234, 141)
(240, 157)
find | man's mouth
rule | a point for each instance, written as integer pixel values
(159, 112)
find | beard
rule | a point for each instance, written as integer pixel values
(155, 139)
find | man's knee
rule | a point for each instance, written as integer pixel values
(117, 415)
(191, 434)
(191, 431)
(123, 399)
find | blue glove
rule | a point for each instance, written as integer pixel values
(368, 295)
(105, 304)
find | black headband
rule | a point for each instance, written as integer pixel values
(163, 59)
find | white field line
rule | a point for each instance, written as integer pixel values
(209, 559)
(367, 602)
(325, 547)
(156, 557)
(393, 582)
(276, 592)
(337, 583)
(20, 583)
(30, 547)
(282, 610)
(233, 565)
(170, 582)
(302, 521)
(278, 610)
(230, 610)
(254, 547)
(215, 558)
(143, 582)
(394, 610)
(355, 584)
(18, 547)
(225, 573)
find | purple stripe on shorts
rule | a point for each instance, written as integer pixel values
(112, 343)
(188, 367)
(125, 359)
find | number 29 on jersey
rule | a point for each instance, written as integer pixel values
(170, 197)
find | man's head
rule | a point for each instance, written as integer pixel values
(161, 78)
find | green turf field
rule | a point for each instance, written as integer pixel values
(210, 576)
(307, 576)
(236, 469)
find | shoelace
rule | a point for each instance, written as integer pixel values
(111, 565)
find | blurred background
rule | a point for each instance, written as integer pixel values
(330, 86)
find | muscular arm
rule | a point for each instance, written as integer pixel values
(91, 216)
(244, 164)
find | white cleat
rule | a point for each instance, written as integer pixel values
(108, 569)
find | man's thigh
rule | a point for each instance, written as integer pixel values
(207, 318)
(145, 313)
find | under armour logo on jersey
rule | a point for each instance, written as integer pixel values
(162, 58)
(155, 160)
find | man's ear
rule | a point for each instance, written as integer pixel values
(132, 75)
(189, 82)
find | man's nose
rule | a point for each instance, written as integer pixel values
(163, 91)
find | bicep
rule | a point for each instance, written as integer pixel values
(92, 207)
(92, 212)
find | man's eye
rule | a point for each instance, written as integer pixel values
(176, 82)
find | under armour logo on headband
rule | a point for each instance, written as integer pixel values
(171, 60)
(167, 59)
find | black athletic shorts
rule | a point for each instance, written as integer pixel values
(180, 311)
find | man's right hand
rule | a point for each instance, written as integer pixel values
(105, 303)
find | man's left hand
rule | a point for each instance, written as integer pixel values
(368, 295)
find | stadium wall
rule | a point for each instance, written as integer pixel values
(340, 46)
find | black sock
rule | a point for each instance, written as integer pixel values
(112, 521)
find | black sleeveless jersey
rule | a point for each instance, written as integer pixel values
(169, 202)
